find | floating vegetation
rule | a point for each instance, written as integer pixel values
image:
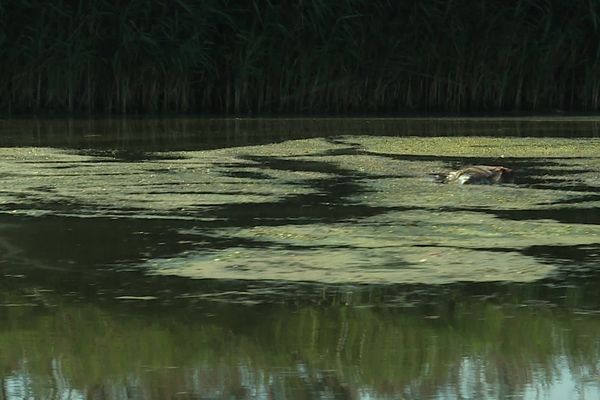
(350, 210)
(478, 147)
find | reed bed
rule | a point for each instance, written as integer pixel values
(234, 56)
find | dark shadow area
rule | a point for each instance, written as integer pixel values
(328, 202)
(129, 155)
(567, 215)
(579, 199)
(246, 175)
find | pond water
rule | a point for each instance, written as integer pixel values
(298, 258)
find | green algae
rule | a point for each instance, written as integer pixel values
(349, 210)
(477, 146)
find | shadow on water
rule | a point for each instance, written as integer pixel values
(69, 255)
(130, 155)
(573, 215)
(328, 201)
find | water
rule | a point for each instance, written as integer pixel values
(205, 258)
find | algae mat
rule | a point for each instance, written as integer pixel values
(342, 210)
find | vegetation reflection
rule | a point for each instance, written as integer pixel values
(342, 346)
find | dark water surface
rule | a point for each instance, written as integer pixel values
(210, 259)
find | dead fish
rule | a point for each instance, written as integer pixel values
(477, 175)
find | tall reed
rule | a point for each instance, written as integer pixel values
(234, 56)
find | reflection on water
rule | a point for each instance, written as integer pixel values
(195, 133)
(489, 341)
(330, 267)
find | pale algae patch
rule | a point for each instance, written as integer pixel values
(50, 181)
(364, 209)
(401, 247)
(473, 146)
(359, 266)
(354, 254)
(570, 162)
(431, 234)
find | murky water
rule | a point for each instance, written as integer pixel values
(205, 258)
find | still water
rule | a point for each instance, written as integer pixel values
(298, 259)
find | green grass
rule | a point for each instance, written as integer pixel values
(298, 57)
